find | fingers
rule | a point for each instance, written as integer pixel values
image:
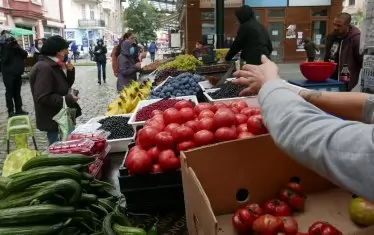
(246, 92)
(264, 59)
(241, 81)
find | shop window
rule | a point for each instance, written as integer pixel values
(207, 16)
(278, 13)
(319, 32)
(84, 11)
(352, 2)
(319, 12)
(92, 12)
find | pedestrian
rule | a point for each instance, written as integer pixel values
(115, 53)
(100, 58)
(74, 49)
(90, 51)
(310, 49)
(252, 40)
(199, 50)
(38, 46)
(128, 66)
(13, 66)
(343, 48)
(300, 123)
(152, 51)
(51, 79)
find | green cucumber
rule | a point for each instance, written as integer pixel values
(108, 205)
(88, 199)
(4, 182)
(61, 187)
(33, 230)
(126, 230)
(111, 219)
(99, 210)
(70, 159)
(33, 214)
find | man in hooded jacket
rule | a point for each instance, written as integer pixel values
(252, 38)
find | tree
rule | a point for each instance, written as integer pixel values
(142, 19)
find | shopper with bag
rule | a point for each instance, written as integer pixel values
(51, 80)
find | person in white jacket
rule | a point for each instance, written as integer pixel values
(307, 126)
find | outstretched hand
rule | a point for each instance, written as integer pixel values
(254, 76)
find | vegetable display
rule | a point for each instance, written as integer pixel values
(182, 85)
(147, 112)
(117, 127)
(227, 90)
(184, 127)
(56, 195)
(275, 217)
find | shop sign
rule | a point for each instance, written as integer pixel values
(228, 3)
(303, 3)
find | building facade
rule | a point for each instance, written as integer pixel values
(89, 20)
(53, 19)
(287, 21)
(355, 8)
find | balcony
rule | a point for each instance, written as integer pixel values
(91, 23)
(89, 1)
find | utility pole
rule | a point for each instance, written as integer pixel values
(220, 23)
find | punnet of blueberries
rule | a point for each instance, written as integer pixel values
(227, 90)
(118, 127)
(184, 84)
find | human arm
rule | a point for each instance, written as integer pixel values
(236, 45)
(70, 76)
(339, 150)
(104, 51)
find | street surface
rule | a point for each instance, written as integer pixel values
(93, 99)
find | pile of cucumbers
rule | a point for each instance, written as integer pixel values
(55, 194)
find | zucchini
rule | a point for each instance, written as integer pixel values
(70, 159)
(33, 230)
(125, 230)
(33, 176)
(33, 214)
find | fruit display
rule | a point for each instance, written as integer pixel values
(148, 111)
(56, 195)
(129, 98)
(361, 211)
(153, 66)
(182, 85)
(98, 137)
(117, 127)
(275, 216)
(227, 90)
(184, 127)
(164, 74)
(221, 54)
(182, 62)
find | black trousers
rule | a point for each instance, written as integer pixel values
(13, 98)
(310, 59)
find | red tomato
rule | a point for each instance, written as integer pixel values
(239, 226)
(155, 112)
(295, 187)
(192, 124)
(290, 226)
(242, 128)
(224, 117)
(183, 104)
(294, 199)
(135, 148)
(205, 124)
(277, 208)
(219, 105)
(250, 111)
(241, 104)
(153, 153)
(139, 162)
(323, 228)
(156, 168)
(187, 114)
(245, 135)
(164, 140)
(255, 208)
(168, 161)
(147, 137)
(155, 124)
(225, 134)
(183, 133)
(171, 127)
(184, 146)
(256, 126)
(267, 224)
(203, 137)
(172, 115)
(202, 106)
(240, 119)
(207, 113)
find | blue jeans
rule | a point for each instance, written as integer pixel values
(52, 137)
(101, 66)
(153, 54)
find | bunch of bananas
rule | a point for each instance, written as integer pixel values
(129, 97)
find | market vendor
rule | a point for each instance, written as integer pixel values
(200, 50)
(339, 150)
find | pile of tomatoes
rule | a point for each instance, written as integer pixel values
(184, 127)
(275, 216)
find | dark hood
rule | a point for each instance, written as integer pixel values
(244, 14)
(353, 32)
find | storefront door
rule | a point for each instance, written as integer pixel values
(276, 33)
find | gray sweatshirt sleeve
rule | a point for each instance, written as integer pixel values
(341, 151)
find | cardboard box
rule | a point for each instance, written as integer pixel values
(212, 176)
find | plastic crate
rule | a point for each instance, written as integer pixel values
(117, 145)
(144, 103)
(251, 100)
(154, 192)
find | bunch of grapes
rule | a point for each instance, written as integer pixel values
(182, 62)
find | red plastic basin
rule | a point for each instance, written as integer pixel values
(317, 71)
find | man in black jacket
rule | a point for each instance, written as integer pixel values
(100, 57)
(252, 38)
(13, 66)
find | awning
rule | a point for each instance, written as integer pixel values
(21, 32)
